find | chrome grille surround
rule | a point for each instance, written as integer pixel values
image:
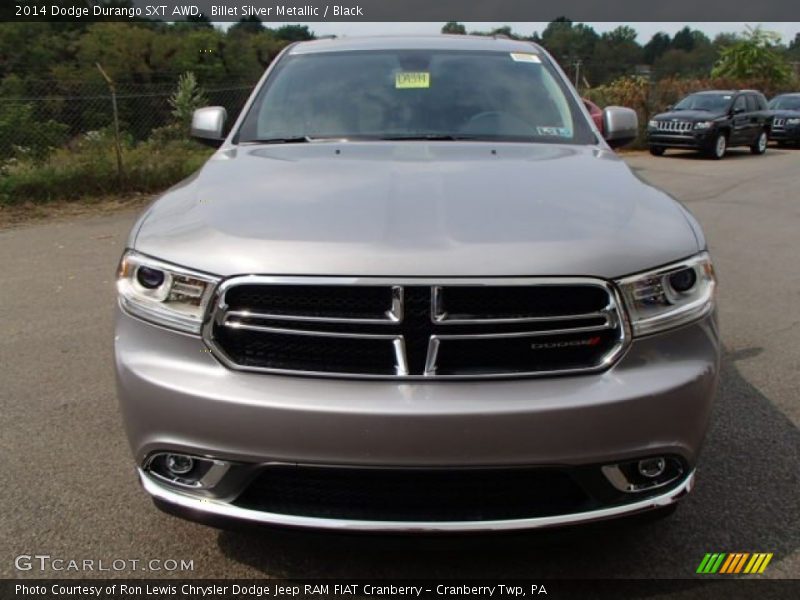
(778, 123)
(614, 318)
(675, 126)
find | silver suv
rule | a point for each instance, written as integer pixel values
(415, 289)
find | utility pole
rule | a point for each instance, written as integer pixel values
(118, 141)
(577, 65)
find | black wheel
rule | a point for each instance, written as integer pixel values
(760, 145)
(657, 150)
(719, 147)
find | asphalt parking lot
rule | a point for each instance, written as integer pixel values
(69, 487)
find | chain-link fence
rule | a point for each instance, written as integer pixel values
(61, 143)
(39, 122)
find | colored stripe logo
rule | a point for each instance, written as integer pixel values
(734, 562)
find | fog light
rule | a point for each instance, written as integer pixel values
(187, 471)
(652, 467)
(179, 464)
(644, 474)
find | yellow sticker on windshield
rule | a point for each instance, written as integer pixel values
(408, 81)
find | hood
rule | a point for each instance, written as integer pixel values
(416, 209)
(785, 113)
(689, 115)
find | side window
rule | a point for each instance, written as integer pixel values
(761, 101)
(740, 103)
(752, 103)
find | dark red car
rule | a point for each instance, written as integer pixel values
(596, 113)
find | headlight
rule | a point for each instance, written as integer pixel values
(669, 296)
(162, 293)
(704, 124)
(653, 123)
(793, 121)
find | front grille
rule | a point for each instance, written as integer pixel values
(674, 126)
(465, 494)
(778, 123)
(413, 329)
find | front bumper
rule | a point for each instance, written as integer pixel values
(695, 140)
(787, 134)
(176, 397)
(222, 513)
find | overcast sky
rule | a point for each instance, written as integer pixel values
(645, 30)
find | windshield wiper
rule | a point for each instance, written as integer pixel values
(296, 139)
(427, 137)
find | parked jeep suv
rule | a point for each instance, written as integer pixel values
(415, 289)
(712, 122)
(785, 113)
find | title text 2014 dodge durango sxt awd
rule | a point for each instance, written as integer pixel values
(415, 289)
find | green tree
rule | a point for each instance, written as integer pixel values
(455, 28)
(683, 40)
(793, 52)
(657, 46)
(616, 54)
(294, 33)
(186, 99)
(504, 30)
(755, 54)
(250, 24)
(570, 44)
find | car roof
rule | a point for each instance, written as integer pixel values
(416, 42)
(792, 94)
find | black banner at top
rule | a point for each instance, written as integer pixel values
(402, 10)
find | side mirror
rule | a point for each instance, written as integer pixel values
(620, 125)
(738, 110)
(208, 124)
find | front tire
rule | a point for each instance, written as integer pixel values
(657, 150)
(719, 147)
(760, 145)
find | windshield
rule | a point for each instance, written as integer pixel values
(717, 103)
(785, 103)
(414, 94)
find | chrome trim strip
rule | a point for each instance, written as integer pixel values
(392, 315)
(432, 357)
(617, 478)
(445, 319)
(401, 364)
(437, 314)
(395, 313)
(305, 332)
(516, 334)
(406, 281)
(222, 509)
(246, 314)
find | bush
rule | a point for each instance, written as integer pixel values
(21, 132)
(89, 169)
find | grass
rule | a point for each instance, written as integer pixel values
(88, 170)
